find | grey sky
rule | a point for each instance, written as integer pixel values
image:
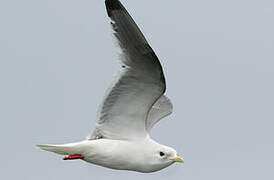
(58, 57)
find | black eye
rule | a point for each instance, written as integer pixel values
(162, 154)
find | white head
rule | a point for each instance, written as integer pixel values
(156, 157)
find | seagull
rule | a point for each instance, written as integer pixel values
(133, 104)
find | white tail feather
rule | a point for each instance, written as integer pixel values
(59, 149)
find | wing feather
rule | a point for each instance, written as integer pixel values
(162, 108)
(138, 86)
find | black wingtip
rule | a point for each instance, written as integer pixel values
(112, 5)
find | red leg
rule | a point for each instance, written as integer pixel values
(73, 156)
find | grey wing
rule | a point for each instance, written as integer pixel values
(138, 86)
(162, 108)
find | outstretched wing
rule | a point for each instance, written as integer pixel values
(162, 108)
(138, 86)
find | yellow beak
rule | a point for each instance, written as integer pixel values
(178, 159)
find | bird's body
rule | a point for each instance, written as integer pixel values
(115, 154)
(133, 104)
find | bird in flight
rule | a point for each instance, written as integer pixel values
(132, 106)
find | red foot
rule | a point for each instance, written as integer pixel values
(73, 156)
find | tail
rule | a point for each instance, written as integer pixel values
(64, 149)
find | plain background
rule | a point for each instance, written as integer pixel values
(57, 57)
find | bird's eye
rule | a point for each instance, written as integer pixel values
(162, 154)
